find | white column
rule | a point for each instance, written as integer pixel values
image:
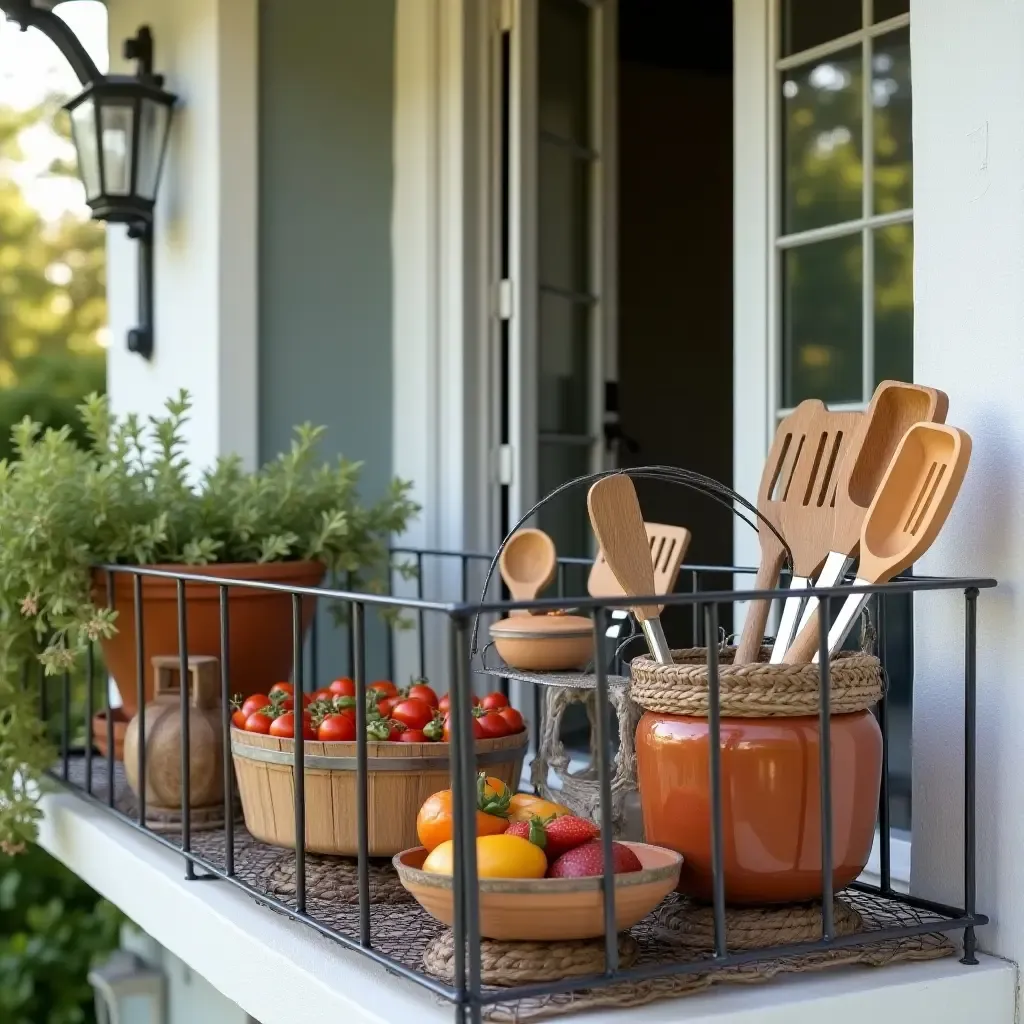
(206, 228)
(968, 82)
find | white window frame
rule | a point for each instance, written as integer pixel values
(757, 307)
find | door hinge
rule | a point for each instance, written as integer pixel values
(505, 464)
(506, 15)
(504, 300)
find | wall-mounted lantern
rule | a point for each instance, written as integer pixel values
(120, 126)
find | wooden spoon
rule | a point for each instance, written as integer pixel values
(895, 407)
(809, 507)
(527, 564)
(619, 527)
(775, 480)
(906, 515)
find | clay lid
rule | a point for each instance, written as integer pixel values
(540, 626)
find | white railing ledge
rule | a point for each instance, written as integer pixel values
(280, 971)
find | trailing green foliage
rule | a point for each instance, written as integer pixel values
(52, 929)
(131, 497)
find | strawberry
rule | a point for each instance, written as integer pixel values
(588, 860)
(532, 829)
(566, 833)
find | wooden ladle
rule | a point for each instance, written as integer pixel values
(906, 515)
(619, 527)
(528, 564)
(894, 408)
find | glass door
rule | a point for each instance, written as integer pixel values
(560, 60)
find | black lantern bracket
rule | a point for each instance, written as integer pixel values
(120, 125)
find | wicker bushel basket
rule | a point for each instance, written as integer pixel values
(401, 777)
(770, 758)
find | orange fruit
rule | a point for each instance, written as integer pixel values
(524, 806)
(434, 821)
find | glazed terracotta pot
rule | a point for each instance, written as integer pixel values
(260, 634)
(771, 824)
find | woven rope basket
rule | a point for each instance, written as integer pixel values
(758, 690)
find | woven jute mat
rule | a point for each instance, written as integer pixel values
(756, 690)
(678, 932)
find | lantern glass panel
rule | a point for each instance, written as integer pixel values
(153, 124)
(117, 121)
(83, 131)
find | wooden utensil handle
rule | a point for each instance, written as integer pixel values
(805, 646)
(757, 613)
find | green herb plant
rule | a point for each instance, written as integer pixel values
(130, 496)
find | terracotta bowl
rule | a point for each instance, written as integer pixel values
(547, 909)
(771, 820)
(544, 643)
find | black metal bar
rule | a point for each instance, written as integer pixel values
(186, 739)
(314, 648)
(715, 773)
(225, 708)
(65, 725)
(358, 618)
(140, 691)
(464, 578)
(90, 682)
(604, 781)
(421, 632)
(109, 713)
(695, 608)
(562, 572)
(351, 633)
(882, 714)
(825, 769)
(299, 746)
(465, 798)
(970, 755)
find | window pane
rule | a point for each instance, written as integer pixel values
(821, 321)
(894, 303)
(563, 27)
(806, 23)
(885, 9)
(890, 98)
(117, 121)
(564, 360)
(564, 218)
(821, 142)
(83, 130)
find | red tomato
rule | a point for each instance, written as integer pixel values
(412, 736)
(412, 713)
(384, 688)
(258, 722)
(493, 725)
(478, 729)
(494, 701)
(444, 705)
(513, 718)
(384, 706)
(343, 687)
(336, 728)
(323, 694)
(284, 726)
(420, 691)
(283, 688)
(255, 703)
(238, 719)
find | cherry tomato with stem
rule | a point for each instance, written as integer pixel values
(284, 727)
(384, 688)
(478, 731)
(336, 729)
(420, 691)
(238, 719)
(343, 687)
(412, 713)
(324, 693)
(256, 702)
(494, 701)
(258, 722)
(283, 688)
(493, 725)
(412, 736)
(513, 718)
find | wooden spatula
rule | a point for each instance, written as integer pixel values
(619, 527)
(775, 481)
(809, 507)
(668, 549)
(894, 408)
(906, 515)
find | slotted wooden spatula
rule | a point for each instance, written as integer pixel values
(809, 507)
(906, 515)
(895, 407)
(668, 549)
(775, 479)
(619, 527)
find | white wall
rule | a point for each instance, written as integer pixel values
(969, 340)
(205, 304)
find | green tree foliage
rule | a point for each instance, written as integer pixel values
(52, 308)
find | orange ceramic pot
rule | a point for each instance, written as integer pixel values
(771, 822)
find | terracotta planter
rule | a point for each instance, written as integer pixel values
(99, 732)
(770, 801)
(260, 634)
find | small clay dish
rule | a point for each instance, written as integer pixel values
(547, 909)
(544, 643)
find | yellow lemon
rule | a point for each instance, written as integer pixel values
(496, 857)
